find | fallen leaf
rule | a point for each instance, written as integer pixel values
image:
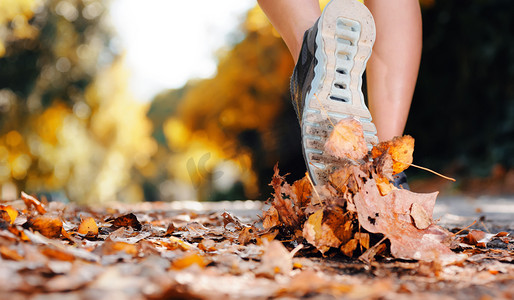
(390, 215)
(176, 243)
(420, 217)
(308, 283)
(129, 220)
(478, 238)
(189, 260)
(88, 227)
(13, 213)
(109, 248)
(384, 185)
(8, 253)
(270, 218)
(32, 202)
(327, 228)
(287, 212)
(363, 239)
(5, 219)
(276, 259)
(349, 247)
(170, 229)
(302, 189)
(48, 225)
(57, 254)
(247, 234)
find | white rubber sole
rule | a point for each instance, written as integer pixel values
(345, 37)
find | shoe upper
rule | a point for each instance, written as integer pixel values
(303, 72)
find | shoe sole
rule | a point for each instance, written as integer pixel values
(345, 39)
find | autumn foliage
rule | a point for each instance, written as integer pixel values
(359, 204)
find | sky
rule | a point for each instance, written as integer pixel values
(167, 42)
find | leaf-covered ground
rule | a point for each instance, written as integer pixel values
(156, 251)
(354, 235)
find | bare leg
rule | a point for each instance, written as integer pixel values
(393, 66)
(392, 69)
(291, 18)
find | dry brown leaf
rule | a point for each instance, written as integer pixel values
(307, 283)
(269, 235)
(276, 259)
(478, 238)
(363, 239)
(247, 234)
(286, 211)
(373, 251)
(270, 218)
(349, 247)
(390, 215)
(170, 229)
(329, 227)
(340, 179)
(420, 217)
(32, 202)
(129, 220)
(48, 225)
(5, 219)
(302, 189)
(88, 227)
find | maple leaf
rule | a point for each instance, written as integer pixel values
(391, 216)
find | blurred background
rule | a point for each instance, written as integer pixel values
(171, 100)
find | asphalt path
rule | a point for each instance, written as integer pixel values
(489, 212)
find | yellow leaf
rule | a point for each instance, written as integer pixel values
(13, 213)
(189, 260)
(88, 227)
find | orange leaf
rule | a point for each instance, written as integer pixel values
(178, 243)
(88, 227)
(57, 254)
(400, 148)
(13, 213)
(8, 253)
(189, 260)
(48, 225)
(31, 201)
(109, 247)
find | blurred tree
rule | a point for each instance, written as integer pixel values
(462, 113)
(66, 119)
(243, 112)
